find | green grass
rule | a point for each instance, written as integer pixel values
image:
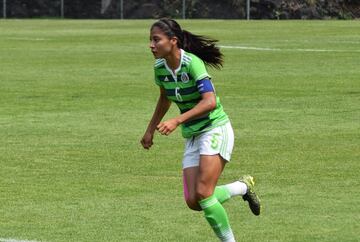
(75, 99)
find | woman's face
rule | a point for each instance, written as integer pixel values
(160, 44)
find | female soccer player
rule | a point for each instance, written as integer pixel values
(182, 77)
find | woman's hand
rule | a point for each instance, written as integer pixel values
(147, 140)
(168, 126)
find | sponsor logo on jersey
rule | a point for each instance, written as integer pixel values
(166, 79)
(184, 77)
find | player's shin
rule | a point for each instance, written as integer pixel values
(216, 216)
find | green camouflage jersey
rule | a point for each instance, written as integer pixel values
(182, 89)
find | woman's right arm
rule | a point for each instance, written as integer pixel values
(162, 107)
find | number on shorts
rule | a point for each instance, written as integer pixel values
(215, 140)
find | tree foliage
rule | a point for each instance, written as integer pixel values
(225, 9)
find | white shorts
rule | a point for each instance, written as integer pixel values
(219, 140)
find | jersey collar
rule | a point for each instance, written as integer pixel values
(174, 75)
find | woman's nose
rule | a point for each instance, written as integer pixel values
(151, 44)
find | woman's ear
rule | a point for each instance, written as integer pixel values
(174, 41)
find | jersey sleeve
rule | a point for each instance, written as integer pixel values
(198, 70)
(157, 80)
(205, 85)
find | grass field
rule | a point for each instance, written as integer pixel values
(75, 99)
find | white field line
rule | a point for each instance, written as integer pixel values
(16, 240)
(325, 41)
(278, 49)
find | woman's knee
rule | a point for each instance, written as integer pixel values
(203, 191)
(193, 204)
(193, 201)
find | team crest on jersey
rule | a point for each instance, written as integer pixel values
(184, 77)
(166, 79)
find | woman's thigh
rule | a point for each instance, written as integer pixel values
(210, 169)
(201, 180)
(190, 176)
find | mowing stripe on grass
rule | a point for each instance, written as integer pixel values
(27, 39)
(277, 49)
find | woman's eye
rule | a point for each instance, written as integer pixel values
(157, 39)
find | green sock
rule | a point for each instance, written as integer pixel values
(222, 194)
(216, 216)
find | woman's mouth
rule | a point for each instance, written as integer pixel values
(154, 53)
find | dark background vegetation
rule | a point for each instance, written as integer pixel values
(225, 9)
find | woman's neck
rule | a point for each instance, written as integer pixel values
(173, 59)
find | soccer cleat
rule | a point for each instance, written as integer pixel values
(250, 196)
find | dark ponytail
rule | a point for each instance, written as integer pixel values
(203, 47)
